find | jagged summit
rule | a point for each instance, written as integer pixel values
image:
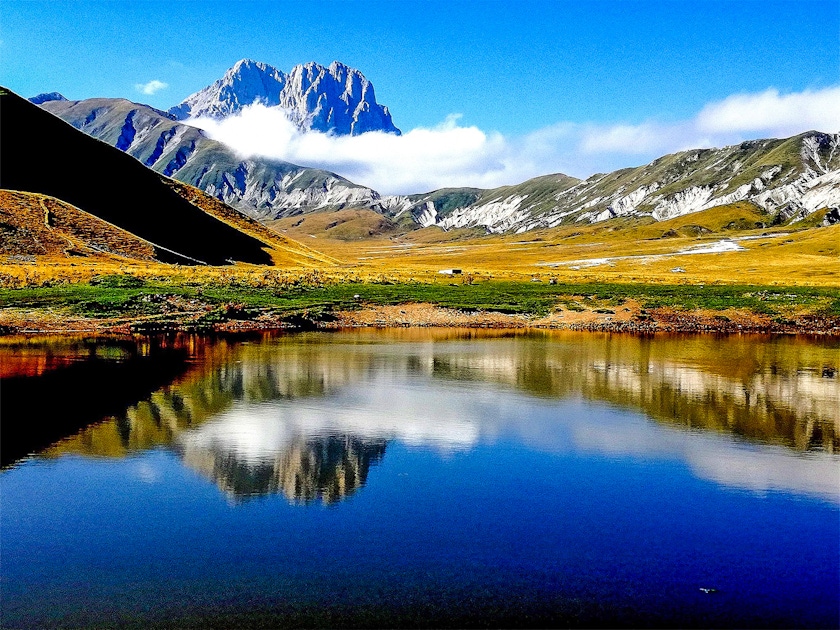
(336, 99)
(45, 97)
(245, 83)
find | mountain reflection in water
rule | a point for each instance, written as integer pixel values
(328, 468)
(307, 415)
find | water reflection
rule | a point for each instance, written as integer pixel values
(49, 388)
(308, 415)
(328, 468)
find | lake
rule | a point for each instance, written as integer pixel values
(420, 478)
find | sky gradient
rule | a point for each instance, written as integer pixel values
(515, 69)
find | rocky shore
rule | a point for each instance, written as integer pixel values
(627, 318)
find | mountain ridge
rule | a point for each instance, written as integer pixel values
(262, 188)
(788, 178)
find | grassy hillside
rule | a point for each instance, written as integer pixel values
(42, 154)
(284, 251)
(344, 225)
(37, 225)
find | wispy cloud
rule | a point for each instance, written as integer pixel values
(452, 154)
(152, 87)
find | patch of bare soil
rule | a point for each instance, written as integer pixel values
(629, 317)
(425, 315)
(15, 320)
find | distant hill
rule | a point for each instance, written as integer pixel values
(46, 97)
(786, 179)
(343, 225)
(42, 154)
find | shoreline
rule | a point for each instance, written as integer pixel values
(629, 318)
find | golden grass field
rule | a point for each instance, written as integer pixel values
(640, 252)
(359, 245)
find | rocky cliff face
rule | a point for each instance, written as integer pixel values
(245, 83)
(336, 99)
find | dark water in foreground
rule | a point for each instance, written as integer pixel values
(421, 478)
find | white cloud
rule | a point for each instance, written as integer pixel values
(450, 154)
(421, 159)
(151, 87)
(786, 113)
(736, 118)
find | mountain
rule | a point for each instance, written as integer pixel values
(245, 83)
(265, 189)
(44, 155)
(336, 99)
(787, 179)
(46, 97)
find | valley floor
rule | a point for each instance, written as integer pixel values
(706, 276)
(726, 244)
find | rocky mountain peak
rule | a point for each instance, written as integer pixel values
(336, 99)
(47, 97)
(245, 83)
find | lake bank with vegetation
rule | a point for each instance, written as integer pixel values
(129, 304)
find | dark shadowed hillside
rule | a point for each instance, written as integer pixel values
(41, 153)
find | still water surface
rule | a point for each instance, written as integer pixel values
(424, 478)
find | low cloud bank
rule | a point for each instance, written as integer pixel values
(450, 154)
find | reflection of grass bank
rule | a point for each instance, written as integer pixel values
(778, 390)
(202, 305)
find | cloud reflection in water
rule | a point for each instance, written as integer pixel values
(310, 419)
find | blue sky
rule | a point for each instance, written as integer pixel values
(509, 67)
